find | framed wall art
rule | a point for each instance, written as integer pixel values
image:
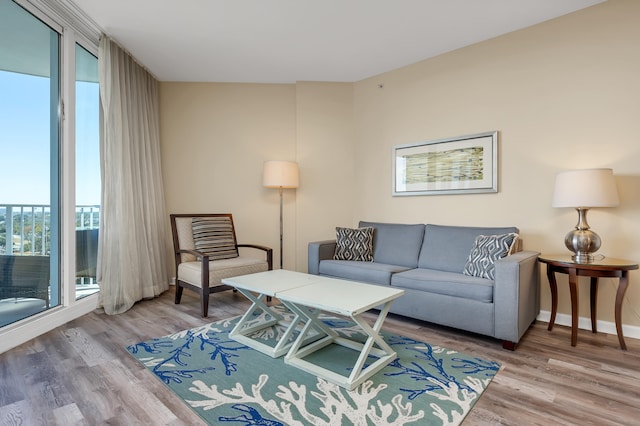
(460, 165)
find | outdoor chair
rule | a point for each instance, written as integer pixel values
(86, 253)
(24, 277)
(206, 251)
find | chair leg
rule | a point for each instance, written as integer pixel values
(204, 302)
(179, 289)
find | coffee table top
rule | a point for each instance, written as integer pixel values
(335, 295)
(270, 282)
(342, 297)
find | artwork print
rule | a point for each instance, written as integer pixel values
(466, 164)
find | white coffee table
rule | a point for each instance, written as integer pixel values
(346, 298)
(307, 296)
(264, 284)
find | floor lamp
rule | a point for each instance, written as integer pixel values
(280, 174)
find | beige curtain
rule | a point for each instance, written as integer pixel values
(132, 252)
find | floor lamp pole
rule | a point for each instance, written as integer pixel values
(281, 190)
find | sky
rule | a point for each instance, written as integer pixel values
(25, 141)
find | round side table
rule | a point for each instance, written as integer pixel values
(607, 267)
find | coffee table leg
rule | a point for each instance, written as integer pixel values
(241, 333)
(306, 343)
(383, 352)
(257, 304)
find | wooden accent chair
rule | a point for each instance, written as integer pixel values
(24, 276)
(206, 251)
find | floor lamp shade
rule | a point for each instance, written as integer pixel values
(280, 174)
(583, 189)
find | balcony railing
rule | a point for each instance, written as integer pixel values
(25, 229)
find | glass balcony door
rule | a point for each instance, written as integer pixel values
(30, 164)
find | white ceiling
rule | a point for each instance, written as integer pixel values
(284, 41)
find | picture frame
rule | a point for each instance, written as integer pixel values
(458, 165)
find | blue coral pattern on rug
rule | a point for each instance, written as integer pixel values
(226, 382)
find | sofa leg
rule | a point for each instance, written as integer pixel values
(509, 345)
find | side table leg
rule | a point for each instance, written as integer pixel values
(554, 296)
(573, 287)
(622, 288)
(594, 303)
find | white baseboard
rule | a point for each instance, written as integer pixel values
(608, 327)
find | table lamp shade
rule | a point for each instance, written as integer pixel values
(278, 174)
(585, 188)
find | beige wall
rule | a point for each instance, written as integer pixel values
(325, 149)
(215, 139)
(563, 94)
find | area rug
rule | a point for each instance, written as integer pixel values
(226, 382)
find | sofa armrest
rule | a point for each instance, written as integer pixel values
(317, 251)
(516, 294)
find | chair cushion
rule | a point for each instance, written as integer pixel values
(214, 237)
(354, 244)
(191, 272)
(486, 250)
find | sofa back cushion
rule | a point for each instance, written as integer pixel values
(447, 248)
(397, 244)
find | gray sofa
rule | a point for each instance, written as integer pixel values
(427, 262)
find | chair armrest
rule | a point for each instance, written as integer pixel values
(195, 253)
(268, 251)
(317, 251)
(516, 294)
(256, 246)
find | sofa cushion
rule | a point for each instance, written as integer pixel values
(354, 244)
(396, 244)
(370, 272)
(486, 250)
(445, 283)
(446, 248)
(214, 237)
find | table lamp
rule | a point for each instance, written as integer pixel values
(584, 189)
(280, 174)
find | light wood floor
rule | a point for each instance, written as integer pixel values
(81, 373)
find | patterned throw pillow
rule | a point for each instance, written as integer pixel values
(486, 250)
(213, 236)
(354, 244)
